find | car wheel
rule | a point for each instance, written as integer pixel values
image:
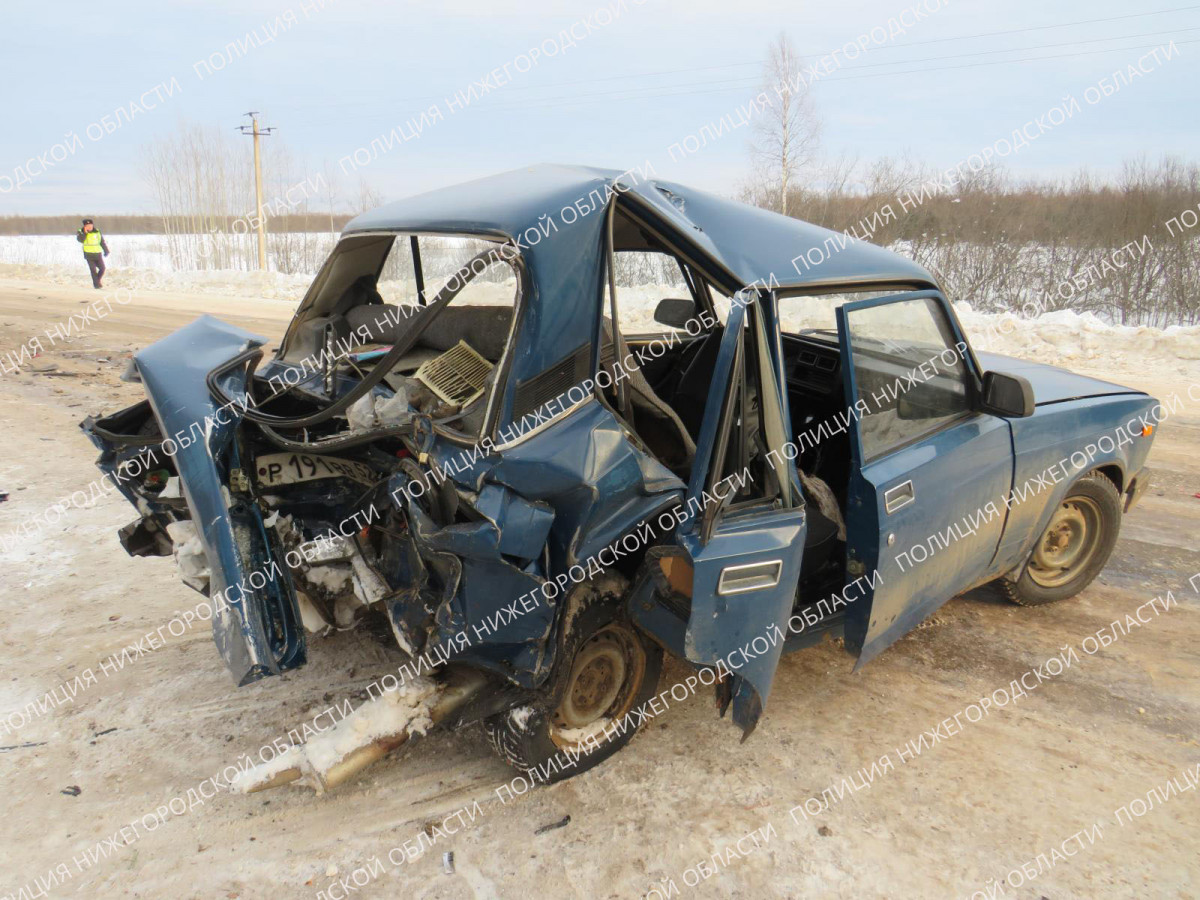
(613, 669)
(1074, 547)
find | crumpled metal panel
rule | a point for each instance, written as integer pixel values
(757, 246)
(480, 588)
(258, 634)
(599, 485)
(571, 489)
(523, 525)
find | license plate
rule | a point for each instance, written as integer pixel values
(275, 469)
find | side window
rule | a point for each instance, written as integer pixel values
(644, 279)
(910, 376)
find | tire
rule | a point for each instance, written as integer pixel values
(1075, 546)
(601, 644)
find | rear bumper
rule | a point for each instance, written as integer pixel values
(1137, 487)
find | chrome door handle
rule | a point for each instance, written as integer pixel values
(749, 577)
(900, 495)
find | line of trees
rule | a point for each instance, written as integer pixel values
(999, 243)
(202, 181)
(996, 242)
(125, 223)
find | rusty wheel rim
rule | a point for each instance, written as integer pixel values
(605, 678)
(1068, 544)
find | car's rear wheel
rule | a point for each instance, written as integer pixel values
(613, 670)
(1074, 547)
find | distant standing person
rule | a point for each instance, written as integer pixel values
(94, 249)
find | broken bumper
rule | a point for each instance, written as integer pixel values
(256, 623)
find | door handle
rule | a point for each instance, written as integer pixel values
(749, 577)
(900, 495)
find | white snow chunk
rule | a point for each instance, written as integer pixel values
(189, 554)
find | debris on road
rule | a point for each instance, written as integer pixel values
(9, 747)
(553, 826)
(366, 735)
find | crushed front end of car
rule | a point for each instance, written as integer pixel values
(355, 479)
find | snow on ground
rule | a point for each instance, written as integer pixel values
(140, 250)
(1082, 340)
(945, 823)
(1064, 337)
(154, 251)
(265, 285)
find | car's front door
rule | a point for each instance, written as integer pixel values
(746, 537)
(925, 509)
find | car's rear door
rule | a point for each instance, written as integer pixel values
(746, 537)
(925, 510)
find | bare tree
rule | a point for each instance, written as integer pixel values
(788, 131)
(201, 183)
(368, 197)
(202, 179)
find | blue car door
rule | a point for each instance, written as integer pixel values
(746, 537)
(925, 507)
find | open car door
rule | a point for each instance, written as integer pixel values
(925, 510)
(746, 538)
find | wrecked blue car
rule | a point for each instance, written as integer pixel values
(541, 428)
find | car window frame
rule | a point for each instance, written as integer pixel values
(973, 382)
(756, 327)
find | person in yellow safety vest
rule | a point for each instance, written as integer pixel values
(93, 246)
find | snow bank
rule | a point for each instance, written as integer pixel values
(1066, 337)
(1063, 337)
(265, 285)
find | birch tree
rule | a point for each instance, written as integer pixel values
(787, 132)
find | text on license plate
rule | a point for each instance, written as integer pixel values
(275, 469)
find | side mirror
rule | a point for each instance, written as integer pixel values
(674, 313)
(1010, 396)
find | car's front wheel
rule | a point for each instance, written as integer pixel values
(613, 671)
(1074, 547)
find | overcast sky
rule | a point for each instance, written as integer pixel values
(623, 94)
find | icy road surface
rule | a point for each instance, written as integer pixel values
(969, 808)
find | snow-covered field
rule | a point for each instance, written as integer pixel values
(148, 251)
(142, 262)
(1064, 337)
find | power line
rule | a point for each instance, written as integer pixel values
(724, 66)
(744, 83)
(1157, 12)
(679, 90)
(686, 90)
(1000, 62)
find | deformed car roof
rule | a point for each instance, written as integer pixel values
(746, 244)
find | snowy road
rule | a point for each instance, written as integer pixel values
(972, 806)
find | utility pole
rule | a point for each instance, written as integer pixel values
(262, 234)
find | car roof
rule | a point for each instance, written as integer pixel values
(747, 245)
